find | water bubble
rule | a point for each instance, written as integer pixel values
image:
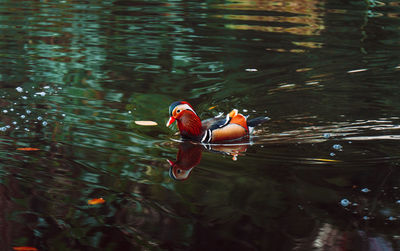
(391, 218)
(398, 202)
(26, 129)
(46, 87)
(337, 147)
(19, 89)
(3, 129)
(14, 122)
(12, 109)
(63, 115)
(5, 111)
(39, 118)
(365, 190)
(44, 123)
(327, 135)
(366, 218)
(332, 154)
(24, 97)
(345, 202)
(22, 116)
(28, 111)
(245, 110)
(41, 93)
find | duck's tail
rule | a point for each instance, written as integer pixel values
(257, 121)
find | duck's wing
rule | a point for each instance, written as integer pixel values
(212, 123)
(218, 122)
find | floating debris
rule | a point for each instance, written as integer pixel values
(25, 249)
(146, 123)
(28, 149)
(96, 201)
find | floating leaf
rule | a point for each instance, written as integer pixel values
(28, 149)
(96, 201)
(25, 249)
(146, 123)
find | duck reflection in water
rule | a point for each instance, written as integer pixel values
(189, 156)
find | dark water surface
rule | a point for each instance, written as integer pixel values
(322, 174)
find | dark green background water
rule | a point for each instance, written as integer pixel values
(322, 173)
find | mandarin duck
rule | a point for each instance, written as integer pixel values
(233, 127)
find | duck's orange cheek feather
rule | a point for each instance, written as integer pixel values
(229, 132)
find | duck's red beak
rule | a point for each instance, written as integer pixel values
(170, 121)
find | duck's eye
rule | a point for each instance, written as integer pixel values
(179, 171)
(178, 111)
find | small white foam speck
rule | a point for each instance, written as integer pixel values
(251, 70)
(358, 70)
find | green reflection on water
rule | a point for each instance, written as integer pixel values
(87, 71)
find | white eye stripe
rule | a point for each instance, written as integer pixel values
(184, 107)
